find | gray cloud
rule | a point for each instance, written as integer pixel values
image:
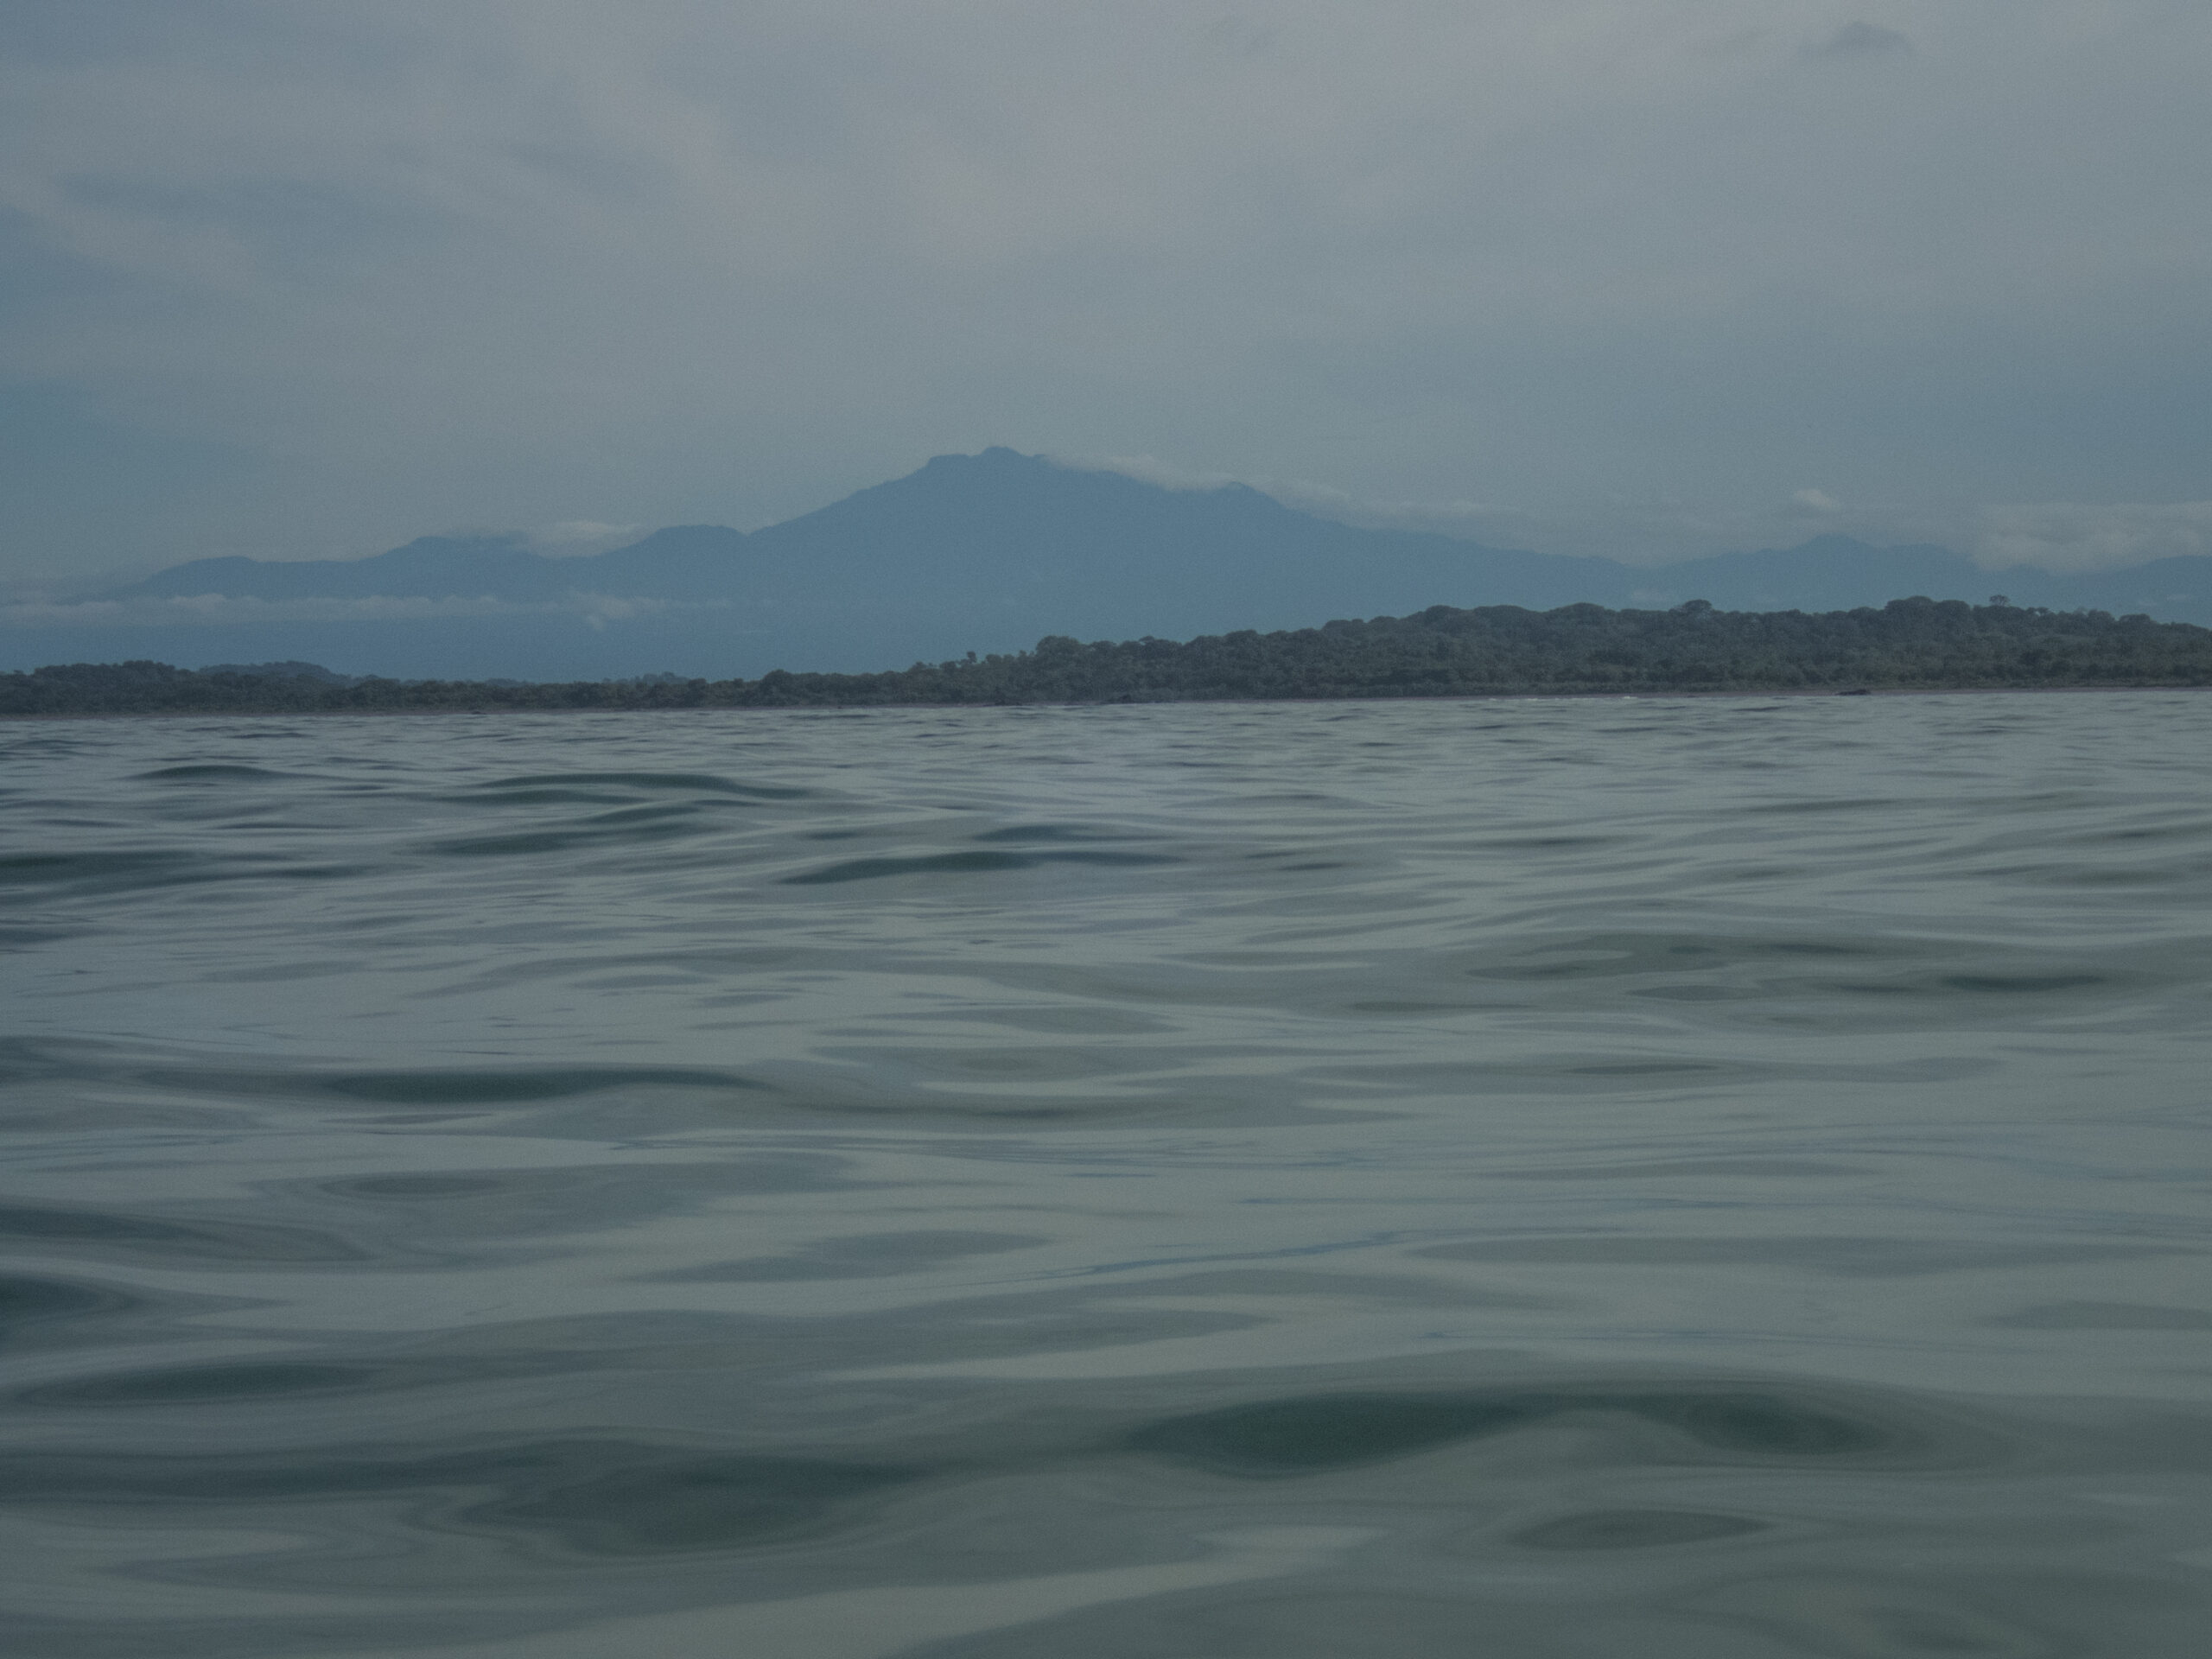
(580, 537)
(2065, 537)
(1863, 40)
(1614, 276)
(1148, 468)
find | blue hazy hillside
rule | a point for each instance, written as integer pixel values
(983, 553)
(431, 566)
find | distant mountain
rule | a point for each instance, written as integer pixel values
(984, 553)
(430, 567)
(969, 541)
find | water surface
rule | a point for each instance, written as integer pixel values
(1723, 1179)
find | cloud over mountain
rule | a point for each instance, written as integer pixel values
(985, 553)
(288, 279)
(2069, 537)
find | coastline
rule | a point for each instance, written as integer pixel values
(1914, 645)
(1743, 693)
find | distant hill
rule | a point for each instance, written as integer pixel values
(972, 552)
(431, 566)
(981, 553)
(1907, 645)
(314, 671)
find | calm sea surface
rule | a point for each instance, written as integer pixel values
(1714, 1179)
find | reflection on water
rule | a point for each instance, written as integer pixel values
(1633, 1529)
(1722, 1179)
(1291, 1437)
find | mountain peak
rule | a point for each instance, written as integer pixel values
(997, 457)
(981, 552)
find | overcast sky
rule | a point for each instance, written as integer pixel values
(1642, 278)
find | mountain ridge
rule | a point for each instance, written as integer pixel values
(985, 552)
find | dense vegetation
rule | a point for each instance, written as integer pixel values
(1908, 645)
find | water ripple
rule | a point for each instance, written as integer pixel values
(1681, 1177)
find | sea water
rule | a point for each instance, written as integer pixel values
(1717, 1178)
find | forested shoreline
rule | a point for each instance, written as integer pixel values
(1494, 650)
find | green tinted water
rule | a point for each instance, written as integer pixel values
(1720, 1178)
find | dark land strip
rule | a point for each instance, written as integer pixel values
(1909, 644)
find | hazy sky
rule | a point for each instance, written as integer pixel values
(1650, 278)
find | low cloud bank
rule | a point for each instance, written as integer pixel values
(595, 610)
(2064, 537)
(582, 537)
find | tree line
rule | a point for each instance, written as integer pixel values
(1491, 651)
